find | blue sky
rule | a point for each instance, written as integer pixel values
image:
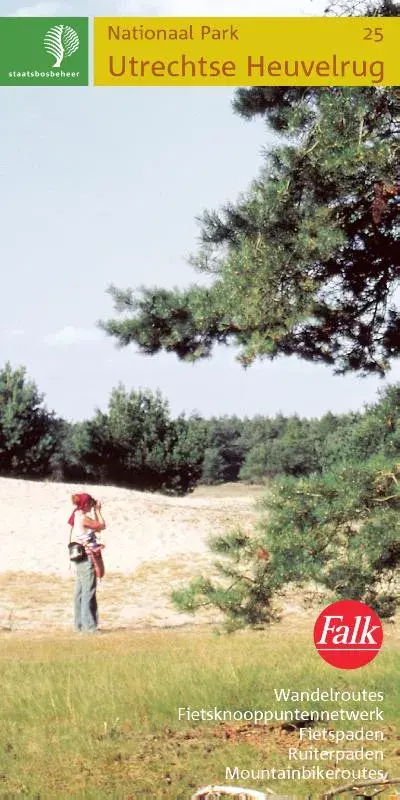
(102, 185)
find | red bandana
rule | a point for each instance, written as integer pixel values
(83, 500)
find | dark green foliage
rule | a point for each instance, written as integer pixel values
(285, 446)
(361, 436)
(340, 530)
(29, 434)
(246, 592)
(187, 437)
(137, 444)
(213, 466)
(261, 438)
(72, 461)
(224, 453)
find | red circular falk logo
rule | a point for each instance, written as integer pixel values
(348, 634)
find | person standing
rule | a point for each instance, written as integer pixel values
(90, 565)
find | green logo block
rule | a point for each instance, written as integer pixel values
(44, 51)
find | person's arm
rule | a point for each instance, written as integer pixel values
(97, 524)
(93, 524)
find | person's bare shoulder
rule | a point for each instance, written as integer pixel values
(93, 524)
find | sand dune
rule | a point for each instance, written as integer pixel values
(152, 543)
(141, 527)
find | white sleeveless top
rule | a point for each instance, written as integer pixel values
(80, 534)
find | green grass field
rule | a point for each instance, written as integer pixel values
(97, 717)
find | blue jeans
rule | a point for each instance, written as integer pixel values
(86, 616)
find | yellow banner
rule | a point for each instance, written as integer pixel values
(246, 51)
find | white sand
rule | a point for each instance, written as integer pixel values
(141, 527)
(153, 544)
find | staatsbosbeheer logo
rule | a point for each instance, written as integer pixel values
(44, 51)
(348, 634)
(61, 41)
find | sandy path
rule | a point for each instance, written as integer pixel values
(152, 543)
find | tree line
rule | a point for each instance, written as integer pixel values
(134, 443)
(137, 442)
(330, 514)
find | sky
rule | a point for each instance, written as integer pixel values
(103, 185)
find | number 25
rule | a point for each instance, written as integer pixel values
(374, 34)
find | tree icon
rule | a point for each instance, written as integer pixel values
(61, 41)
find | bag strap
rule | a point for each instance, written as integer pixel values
(70, 537)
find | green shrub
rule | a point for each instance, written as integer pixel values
(340, 530)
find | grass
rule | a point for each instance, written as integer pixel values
(97, 717)
(29, 601)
